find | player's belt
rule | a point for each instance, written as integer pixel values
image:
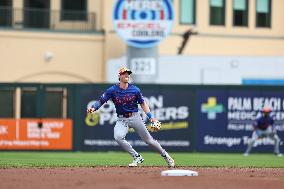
(127, 115)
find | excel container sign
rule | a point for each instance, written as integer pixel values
(225, 119)
(143, 23)
(172, 108)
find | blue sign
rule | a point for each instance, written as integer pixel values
(143, 23)
(225, 118)
(172, 108)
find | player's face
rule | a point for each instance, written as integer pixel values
(124, 77)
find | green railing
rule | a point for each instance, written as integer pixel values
(32, 18)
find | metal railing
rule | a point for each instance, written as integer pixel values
(70, 21)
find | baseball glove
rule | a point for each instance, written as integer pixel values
(155, 126)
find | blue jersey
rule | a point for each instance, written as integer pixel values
(125, 100)
(263, 123)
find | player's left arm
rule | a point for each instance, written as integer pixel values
(147, 111)
(155, 123)
(144, 105)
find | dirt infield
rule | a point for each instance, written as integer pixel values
(141, 177)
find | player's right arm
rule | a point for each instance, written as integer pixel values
(103, 98)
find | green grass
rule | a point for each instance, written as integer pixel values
(91, 159)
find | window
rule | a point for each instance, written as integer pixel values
(55, 103)
(217, 12)
(29, 103)
(74, 10)
(263, 13)
(5, 12)
(37, 13)
(7, 103)
(240, 8)
(187, 11)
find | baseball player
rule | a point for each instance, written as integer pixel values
(264, 127)
(126, 98)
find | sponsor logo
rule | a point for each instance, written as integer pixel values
(174, 117)
(212, 108)
(143, 23)
(49, 130)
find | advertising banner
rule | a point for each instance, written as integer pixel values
(225, 118)
(172, 108)
(36, 134)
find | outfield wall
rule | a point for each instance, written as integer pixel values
(195, 118)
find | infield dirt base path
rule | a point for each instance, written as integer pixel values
(140, 177)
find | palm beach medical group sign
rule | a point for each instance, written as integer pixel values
(226, 117)
(143, 23)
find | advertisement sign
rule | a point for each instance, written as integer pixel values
(143, 23)
(35, 134)
(172, 108)
(225, 119)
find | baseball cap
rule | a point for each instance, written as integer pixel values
(123, 70)
(266, 109)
